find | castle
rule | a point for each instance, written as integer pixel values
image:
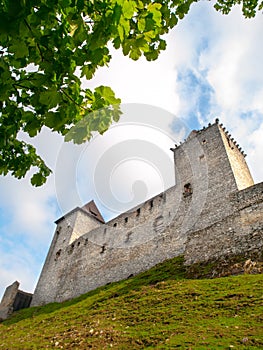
(213, 211)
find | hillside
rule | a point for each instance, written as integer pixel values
(160, 308)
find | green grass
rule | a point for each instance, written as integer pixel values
(159, 309)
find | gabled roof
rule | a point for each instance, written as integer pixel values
(92, 209)
(89, 209)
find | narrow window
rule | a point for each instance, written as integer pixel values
(115, 225)
(151, 204)
(126, 220)
(138, 212)
(58, 254)
(187, 190)
(71, 249)
(102, 249)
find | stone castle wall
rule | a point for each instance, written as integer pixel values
(13, 300)
(240, 233)
(192, 218)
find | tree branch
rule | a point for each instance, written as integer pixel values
(39, 49)
(71, 99)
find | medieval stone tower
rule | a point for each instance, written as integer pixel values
(211, 176)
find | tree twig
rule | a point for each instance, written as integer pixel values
(39, 49)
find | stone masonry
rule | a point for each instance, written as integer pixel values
(213, 210)
(13, 300)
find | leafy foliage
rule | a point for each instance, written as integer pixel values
(47, 46)
(249, 7)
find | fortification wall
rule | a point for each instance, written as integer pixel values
(239, 233)
(114, 251)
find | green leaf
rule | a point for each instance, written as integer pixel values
(173, 20)
(162, 45)
(107, 93)
(125, 26)
(121, 32)
(141, 24)
(87, 71)
(38, 179)
(135, 54)
(128, 9)
(154, 8)
(151, 55)
(50, 98)
(19, 48)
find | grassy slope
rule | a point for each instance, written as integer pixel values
(157, 309)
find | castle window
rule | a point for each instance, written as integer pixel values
(138, 212)
(126, 220)
(58, 254)
(78, 244)
(151, 204)
(187, 190)
(103, 248)
(204, 142)
(115, 225)
(86, 241)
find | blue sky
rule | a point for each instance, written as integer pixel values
(212, 68)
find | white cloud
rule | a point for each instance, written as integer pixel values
(27, 221)
(223, 53)
(142, 81)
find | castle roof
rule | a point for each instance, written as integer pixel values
(89, 209)
(92, 209)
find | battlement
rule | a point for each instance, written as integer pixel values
(222, 127)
